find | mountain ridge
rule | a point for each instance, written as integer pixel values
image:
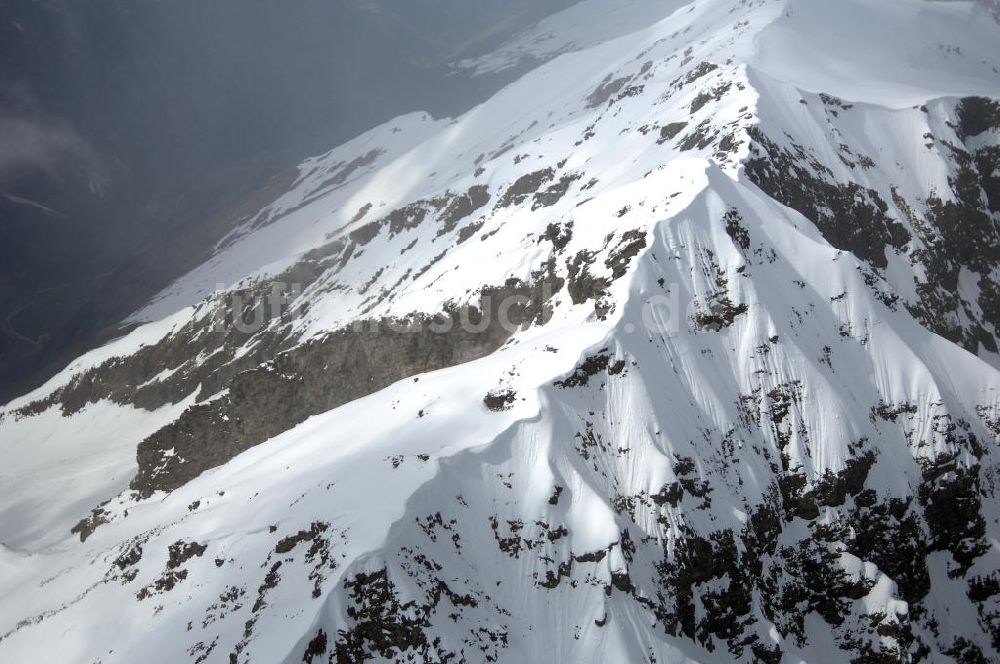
(721, 425)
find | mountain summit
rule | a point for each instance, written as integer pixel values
(683, 347)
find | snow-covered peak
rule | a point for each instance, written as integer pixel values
(894, 54)
(682, 347)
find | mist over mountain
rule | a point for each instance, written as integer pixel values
(131, 133)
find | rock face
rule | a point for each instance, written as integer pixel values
(942, 235)
(319, 375)
(681, 348)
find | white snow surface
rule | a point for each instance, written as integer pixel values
(420, 479)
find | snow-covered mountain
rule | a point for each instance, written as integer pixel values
(683, 347)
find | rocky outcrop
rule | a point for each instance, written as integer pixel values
(320, 375)
(941, 236)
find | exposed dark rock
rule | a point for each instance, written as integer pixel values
(966, 652)
(289, 543)
(555, 192)
(849, 216)
(316, 648)
(582, 285)
(256, 313)
(405, 218)
(718, 310)
(462, 206)
(181, 552)
(178, 553)
(950, 497)
(589, 368)
(466, 232)
(164, 584)
(630, 91)
(129, 558)
(833, 488)
(702, 69)
(976, 115)
(524, 187)
(558, 235)
(892, 412)
(270, 582)
(631, 243)
(87, 525)
(325, 373)
(735, 229)
(705, 96)
(608, 88)
(700, 137)
(889, 534)
(382, 625)
(365, 234)
(361, 213)
(500, 400)
(948, 233)
(814, 581)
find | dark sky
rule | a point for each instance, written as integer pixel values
(130, 128)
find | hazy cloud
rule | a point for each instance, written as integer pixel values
(39, 144)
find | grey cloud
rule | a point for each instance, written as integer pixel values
(33, 144)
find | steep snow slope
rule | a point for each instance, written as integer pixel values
(895, 54)
(681, 348)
